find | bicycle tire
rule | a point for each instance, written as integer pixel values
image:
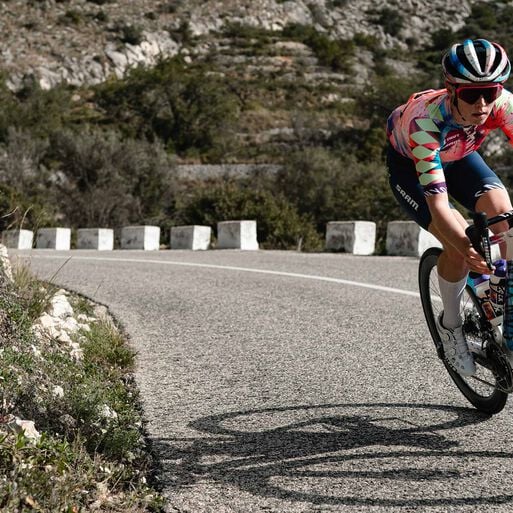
(490, 403)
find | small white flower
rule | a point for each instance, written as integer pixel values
(85, 318)
(35, 350)
(107, 412)
(58, 391)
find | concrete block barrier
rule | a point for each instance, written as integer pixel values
(140, 237)
(95, 238)
(54, 238)
(237, 235)
(18, 239)
(193, 237)
(356, 237)
(407, 238)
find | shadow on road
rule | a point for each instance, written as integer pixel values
(304, 453)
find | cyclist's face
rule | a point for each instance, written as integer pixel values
(469, 113)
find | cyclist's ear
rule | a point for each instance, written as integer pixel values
(451, 89)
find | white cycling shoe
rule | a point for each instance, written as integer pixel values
(456, 349)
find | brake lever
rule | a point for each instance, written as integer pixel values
(479, 238)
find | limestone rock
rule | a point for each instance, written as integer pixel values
(44, 41)
(27, 427)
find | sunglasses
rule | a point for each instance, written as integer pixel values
(470, 94)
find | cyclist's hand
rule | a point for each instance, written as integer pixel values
(475, 261)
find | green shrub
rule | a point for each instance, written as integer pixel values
(333, 188)
(391, 20)
(107, 181)
(29, 212)
(442, 39)
(239, 31)
(337, 54)
(491, 21)
(279, 226)
(187, 108)
(366, 145)
(131, 34)
(72, 16)
(24, 197)
(34, 298)
(33, 110)
(91, 448)
(101, 16)
(367, 41)
(484, 16)
(337, 3)
(385, 93)
(170, 6)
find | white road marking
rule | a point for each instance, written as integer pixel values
(234, 268)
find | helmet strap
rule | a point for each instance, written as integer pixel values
(454, 101)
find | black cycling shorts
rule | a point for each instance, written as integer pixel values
(467, 180)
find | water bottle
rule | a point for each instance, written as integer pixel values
(497, 286)
(480, 283)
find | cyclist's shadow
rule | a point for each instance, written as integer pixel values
(323, 442)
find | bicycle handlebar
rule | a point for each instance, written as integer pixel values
(478, 232)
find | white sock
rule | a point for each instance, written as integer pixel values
(451, 293)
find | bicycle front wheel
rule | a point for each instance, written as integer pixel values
(483, 390)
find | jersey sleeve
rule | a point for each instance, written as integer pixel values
(425, 143)
(504, 114)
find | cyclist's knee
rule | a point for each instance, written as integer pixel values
(453, 258)
(494, 202)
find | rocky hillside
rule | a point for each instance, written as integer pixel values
(86, 41)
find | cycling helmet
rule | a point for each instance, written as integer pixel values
(476, 61)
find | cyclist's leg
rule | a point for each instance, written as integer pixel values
(473, 184)
(452, 276)
(451, 266)
(410, 195)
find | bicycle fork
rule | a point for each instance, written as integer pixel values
(507, 327)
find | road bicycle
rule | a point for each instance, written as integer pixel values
(490, 339)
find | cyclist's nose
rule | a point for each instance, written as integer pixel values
(481, 101)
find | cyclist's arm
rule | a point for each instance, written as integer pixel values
(502, 114)
(445, 222)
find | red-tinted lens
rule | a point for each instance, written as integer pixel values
(472, 94)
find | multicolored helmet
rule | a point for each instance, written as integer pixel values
(476, 61)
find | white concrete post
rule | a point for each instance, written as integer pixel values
(140, 237)
(54, 238)
(357, 237)
(407, 238)
(237, 235)
(18, 239)
(95, 238)
(193, 237)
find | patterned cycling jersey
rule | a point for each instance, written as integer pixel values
(424, 130)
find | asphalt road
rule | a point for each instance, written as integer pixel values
(285, 382)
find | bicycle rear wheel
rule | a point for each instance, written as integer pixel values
(484, 390)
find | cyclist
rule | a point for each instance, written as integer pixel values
(434, 138)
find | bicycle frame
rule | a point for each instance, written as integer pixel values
(481, 241)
